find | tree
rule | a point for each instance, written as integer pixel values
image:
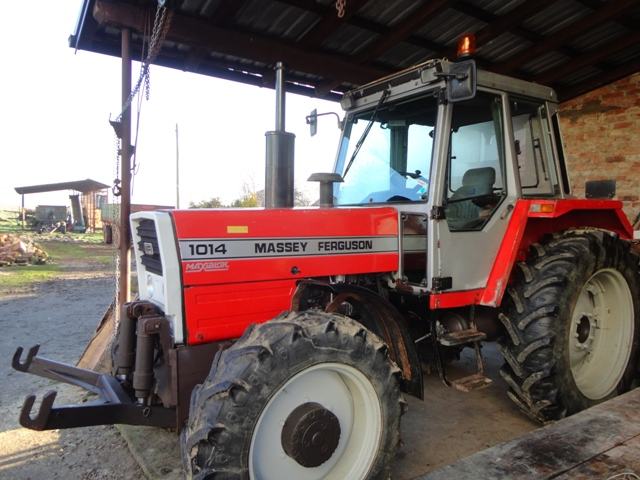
(300, 199)
(214, 202)
(248, 200)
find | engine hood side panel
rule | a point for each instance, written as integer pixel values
(242, 266)
(231, 246)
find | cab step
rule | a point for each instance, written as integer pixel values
(471, 383)
(461, 337)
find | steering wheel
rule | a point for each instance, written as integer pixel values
(398, 198)
(415, 175)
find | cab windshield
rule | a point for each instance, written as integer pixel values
(393, 160)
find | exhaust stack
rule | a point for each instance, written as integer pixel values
(278, 185)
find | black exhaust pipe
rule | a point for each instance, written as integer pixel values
(278, 185)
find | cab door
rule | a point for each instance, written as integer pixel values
(475, 191)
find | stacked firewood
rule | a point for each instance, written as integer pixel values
(15, 249)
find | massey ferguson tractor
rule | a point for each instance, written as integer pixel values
(279, 342)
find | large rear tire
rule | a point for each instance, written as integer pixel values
(308, 395)
(572, 318)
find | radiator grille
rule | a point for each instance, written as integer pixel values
(148, 246)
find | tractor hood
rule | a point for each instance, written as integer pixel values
(223, 246)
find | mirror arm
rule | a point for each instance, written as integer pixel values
(309, 118)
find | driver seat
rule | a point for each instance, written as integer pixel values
(475, 182)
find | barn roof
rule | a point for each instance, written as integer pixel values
(572, 45)
(83, 186)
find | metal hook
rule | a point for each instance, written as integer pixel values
(40, 420)
(24, 366)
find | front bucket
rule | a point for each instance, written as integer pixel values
(97, 353)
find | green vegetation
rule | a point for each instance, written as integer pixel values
(18, 277)
(67, 259)
(66, 252)
(9, 222)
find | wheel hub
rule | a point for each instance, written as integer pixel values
(310, 434)
(584, 331)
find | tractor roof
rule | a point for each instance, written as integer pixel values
(423, 74)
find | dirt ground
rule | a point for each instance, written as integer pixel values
(60, 315)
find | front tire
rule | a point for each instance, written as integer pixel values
(572, 318)
(308, 395)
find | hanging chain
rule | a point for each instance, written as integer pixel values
(114, 215)
(161, 25)
(341, 6)
(115, 189)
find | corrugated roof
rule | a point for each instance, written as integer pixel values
(571, 45)
(83, 186)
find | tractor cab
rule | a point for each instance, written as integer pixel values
(443, 140)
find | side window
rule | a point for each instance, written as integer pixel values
(538, 177)
(475, 172)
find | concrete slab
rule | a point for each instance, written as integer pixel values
(596, 443)
(446, 426)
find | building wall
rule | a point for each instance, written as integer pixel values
(601, 133)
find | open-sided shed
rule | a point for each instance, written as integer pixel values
(87, 204)
(329, 46)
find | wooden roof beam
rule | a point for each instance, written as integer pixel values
(599, 80)
(588, 58)
(361, 22)
(403, 29)
(510, 21)
(199, 33)
(488, 17)
(627, 22)
(607, 11)
(226, 11)
(329, 23)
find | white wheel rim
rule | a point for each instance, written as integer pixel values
(601, 335)
(350, 396)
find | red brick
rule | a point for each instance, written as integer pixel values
(601, 132)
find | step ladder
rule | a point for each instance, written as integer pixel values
(471, 337)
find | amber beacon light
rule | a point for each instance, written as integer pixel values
(466, 45)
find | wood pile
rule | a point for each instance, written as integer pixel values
(15, 249)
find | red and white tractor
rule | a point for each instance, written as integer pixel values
(278, 341)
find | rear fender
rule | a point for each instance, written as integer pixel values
(373, 312)
(532, 220)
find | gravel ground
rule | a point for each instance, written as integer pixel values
(61, 316)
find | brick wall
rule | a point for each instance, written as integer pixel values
(601, 133)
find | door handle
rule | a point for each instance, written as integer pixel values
(507, 211)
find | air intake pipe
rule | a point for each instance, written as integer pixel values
(278, 185)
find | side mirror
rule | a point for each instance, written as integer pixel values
(312, 121)
(461, 81)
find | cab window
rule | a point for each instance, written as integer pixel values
(475, 171)
(532, 144)
(385, 154)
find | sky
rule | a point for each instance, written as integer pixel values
(56, 105)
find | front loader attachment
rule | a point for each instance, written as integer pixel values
(113, 405)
